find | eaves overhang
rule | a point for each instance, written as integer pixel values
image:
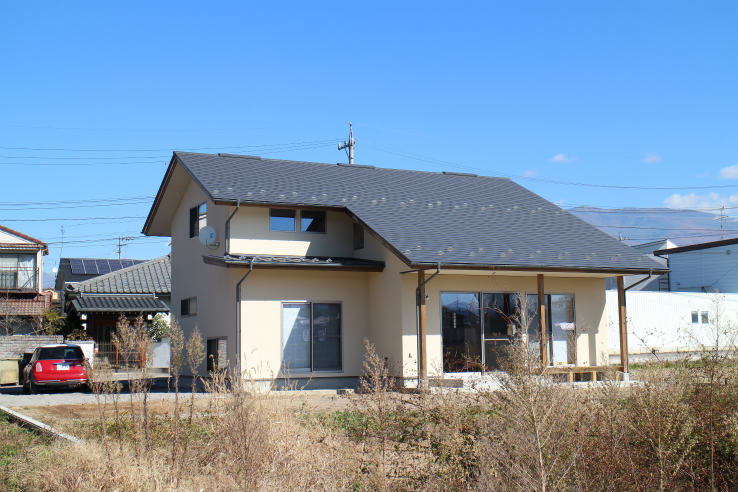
(296, 262)
(540, 269)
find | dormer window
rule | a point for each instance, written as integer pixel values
(281, 219)
(312, 221)
(198, 219)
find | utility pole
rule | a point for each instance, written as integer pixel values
(349, 144)
(122, 240)
(722, 218)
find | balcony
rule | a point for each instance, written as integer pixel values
(18, 279)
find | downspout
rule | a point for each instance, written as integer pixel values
(650, 274)
(228, 228)
(238, 317)
(417, 322)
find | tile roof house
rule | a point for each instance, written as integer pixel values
(142, 288)
(21, 271)
(305, 260)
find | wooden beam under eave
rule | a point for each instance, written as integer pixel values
(542, 325)
(422, 331)
(623, 325)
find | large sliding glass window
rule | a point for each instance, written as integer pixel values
(311, 336)
(476, 335)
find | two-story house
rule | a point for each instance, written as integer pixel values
(307, 260)
(21, 271)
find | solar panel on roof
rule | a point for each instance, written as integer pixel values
(103, 267)
(76, 266)
(90, 267)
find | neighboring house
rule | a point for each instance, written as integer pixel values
(703, 267)
(653, 282)
(141, 289)
(22, 304)
(670, 324)
(308, 260)
(79, 269)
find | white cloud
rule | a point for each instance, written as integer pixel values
(729, 172)
(562, 158)
(695, 201)
(530, 173)
(651, 157)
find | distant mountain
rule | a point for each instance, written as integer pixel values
(640, 225)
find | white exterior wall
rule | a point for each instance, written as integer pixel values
(705, 270)
(662, 320)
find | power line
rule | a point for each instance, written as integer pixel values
(66, 149)
(56, 219)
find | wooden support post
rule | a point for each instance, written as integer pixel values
(422, 328)
(542, 325)
(623, 327)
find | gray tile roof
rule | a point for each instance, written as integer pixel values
(150, 277)
(95, 303)
(426, 217)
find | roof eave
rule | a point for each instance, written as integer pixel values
(542, 269)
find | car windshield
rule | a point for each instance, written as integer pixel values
(51, 353)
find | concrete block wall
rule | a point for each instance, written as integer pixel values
(13, 346)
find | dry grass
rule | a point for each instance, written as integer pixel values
(676, 430)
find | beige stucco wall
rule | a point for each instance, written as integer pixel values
(377, 306)
(251, 235)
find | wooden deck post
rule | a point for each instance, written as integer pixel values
(542, 325)
(623, 328)
(422, 328)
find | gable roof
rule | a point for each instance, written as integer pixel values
(27, 243)
(460, 220)
(149, 277)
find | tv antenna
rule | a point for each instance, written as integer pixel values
(722, 218)
(349, 144)
(122, 240)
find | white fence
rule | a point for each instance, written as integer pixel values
(673, 322)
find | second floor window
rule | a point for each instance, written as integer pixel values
(198, 219)
(17, 271)
(312, 221)
(281, 219)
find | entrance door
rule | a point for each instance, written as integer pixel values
(498, 329)
(461, 332)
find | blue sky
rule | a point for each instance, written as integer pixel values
(619, 93)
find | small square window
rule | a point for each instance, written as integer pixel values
(188, 307)
(311, 221)
(705, 317)
(281, 220)
(198, 219)
(695, 317)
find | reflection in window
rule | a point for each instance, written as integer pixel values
(312, 221)
(311, 336)
(281, 220)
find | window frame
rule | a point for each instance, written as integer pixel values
(198, 218)
(312, 369)
(358, 238)
(325, 221)
(189, 300)
(480, 303)
(295, 222)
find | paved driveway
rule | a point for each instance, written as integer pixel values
(13, 396)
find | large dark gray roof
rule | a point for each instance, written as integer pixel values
(149, 277)
(426, 217)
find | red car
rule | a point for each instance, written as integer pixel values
(55, 366)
